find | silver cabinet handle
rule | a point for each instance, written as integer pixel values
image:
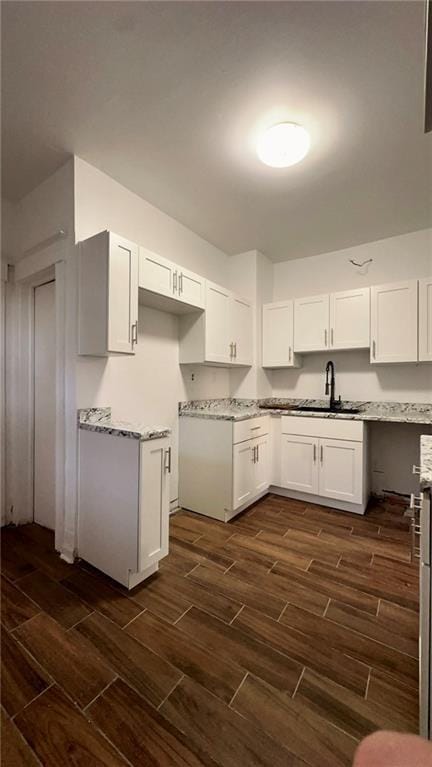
(253, 454)
(374, 349)
(289, 354)
(181, 283)
(332, 336)
(325, 337)
(134, 333)
(254, 428)
(257, 449)
(235, 350)
(231, 350)
(416, 469)
(321, 453)
(314, 453)
(167, 466)
(175, 281)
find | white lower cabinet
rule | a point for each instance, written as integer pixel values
(325, 459)
(223, 465)
(123, 517)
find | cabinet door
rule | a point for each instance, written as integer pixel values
(299, 463)
(122, 295)
(425, 320)
(262, 463)
(278, 335)
(311, 324)
(191, 289)
(217, 324)
(241, 331)
(394, 322)
(243, 474)
(153, 525)
(341, 470)
(349, 319)
(156, 273)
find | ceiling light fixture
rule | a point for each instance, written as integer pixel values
(283, 145)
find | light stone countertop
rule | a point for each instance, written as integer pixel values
(241, 410)
(426, 461)
(99, 420)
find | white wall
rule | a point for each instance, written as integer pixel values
(148, 386)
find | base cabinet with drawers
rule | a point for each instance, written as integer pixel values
(123, 512)
(223, 465)
(324, 460)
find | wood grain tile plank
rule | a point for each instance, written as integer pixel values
(276, 552)
(234, 646)
(202, 554)
(351, 643)
(36, 549)
(149, 674)
(399, 619)
(169, 595)
(402, 700)
(219, 676)
(15, 606)
(304, 544)
(182, 534)
(141, 733)
(22, 678)
(328, 585)
(69, 660)
(287, 720)
(99, 596)
(305, 650)
(61, 735)
(374, 544)
(15, 752)
(247, 555)
(343, 708)
(176, 563)
(53, 598)
(214, 728)
(233, 588)
(371, 627)
(13, 561)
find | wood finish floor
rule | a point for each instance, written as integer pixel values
(281, 638)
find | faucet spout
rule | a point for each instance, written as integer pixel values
(330, 384)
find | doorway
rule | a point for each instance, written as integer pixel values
(44, 461)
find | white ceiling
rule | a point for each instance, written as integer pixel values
(167, 97)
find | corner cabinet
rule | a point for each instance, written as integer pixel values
(324, 461)
(107, 295)
(425, 320)
(278, 336)
(167, 286)
(222, 334)
(394, 322)
(123, 513)
(223, 465)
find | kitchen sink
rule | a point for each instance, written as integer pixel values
(312, 409)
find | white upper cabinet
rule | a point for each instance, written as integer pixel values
(108, 295)
(425, 320)
(350, 319)
(278, 335)
(160, 278)
(394, 322)
(311, 324)
(218, 325)
(241, 331)
(222, 334)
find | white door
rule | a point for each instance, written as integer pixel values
(191, 289)
(425, 320)
(341, 470)
(262, 463)
(278, 335)
(394, 322)
(217, 324)
(243, 456)
(153, 526)
(350, 319)
(299, 463)
(122, 295)
(311, 323)
(241, 330)
(156, 273)
(44, 405)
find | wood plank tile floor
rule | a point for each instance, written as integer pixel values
(281, 638)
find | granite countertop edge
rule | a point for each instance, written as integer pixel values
(99, 420)
(426, 462)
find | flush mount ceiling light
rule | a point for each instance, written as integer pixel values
(283, 145)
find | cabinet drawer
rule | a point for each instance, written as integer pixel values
(323, 427)
(254, 427)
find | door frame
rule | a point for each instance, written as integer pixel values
(29, 273)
